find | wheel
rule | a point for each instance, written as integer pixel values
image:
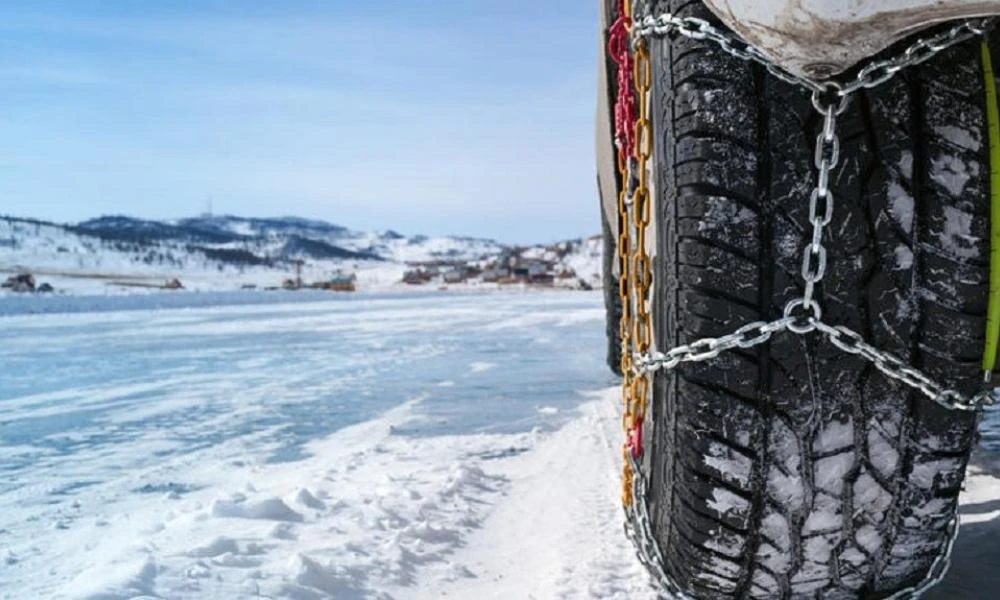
(795, 470)
(612, 298)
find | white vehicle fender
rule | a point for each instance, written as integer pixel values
(820, 38)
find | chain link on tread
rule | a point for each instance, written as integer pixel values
(801, 316)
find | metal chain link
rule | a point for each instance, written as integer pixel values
(830, 99)
(873, 74)
(801, 315)
(634, 146)
(639, 529)
(878, 72)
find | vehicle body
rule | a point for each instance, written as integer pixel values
(819, 38)
(792, 469)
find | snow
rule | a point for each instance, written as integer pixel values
(834, 436)
(904, 257)
(586, 260)
(725, 502)
(267, 509)
(881, 454)
(967, 138)
(78, 261)
(785, 489)
(556, 532)
(219, 545)
(952, 173)
(727, 462)
(901, 206)
(957, 235)
(176, 454)
(869, 495)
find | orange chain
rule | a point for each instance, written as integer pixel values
(636, 275)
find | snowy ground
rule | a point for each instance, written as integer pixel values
(369, 447)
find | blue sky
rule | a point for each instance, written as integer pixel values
(424, 116)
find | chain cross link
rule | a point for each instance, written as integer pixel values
(804, 315)
(801, 315)
(830, 99)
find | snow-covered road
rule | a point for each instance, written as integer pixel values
(284, 450)
(377, 447)
(557, 533)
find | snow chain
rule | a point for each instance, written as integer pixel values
(628, 48)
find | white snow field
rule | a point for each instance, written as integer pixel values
(405, 447)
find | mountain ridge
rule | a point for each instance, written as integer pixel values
(249, 249)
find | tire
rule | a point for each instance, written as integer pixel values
(794, 470)
(612, 299)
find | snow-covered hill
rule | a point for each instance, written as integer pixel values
(228, 252)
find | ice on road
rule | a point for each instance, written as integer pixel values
(372, 447)
(345, 447)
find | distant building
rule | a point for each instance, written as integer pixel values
(454, 276)
(542, 279)
(416, 277)
(495, 274)
(341, 282)
(537, 268)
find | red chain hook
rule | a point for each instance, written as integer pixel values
(619, 35)
(634, 440)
